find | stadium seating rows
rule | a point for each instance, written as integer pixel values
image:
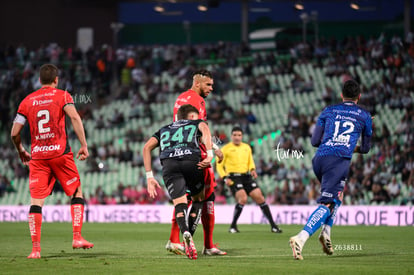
(272, 116)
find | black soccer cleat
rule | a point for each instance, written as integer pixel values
(276, 229)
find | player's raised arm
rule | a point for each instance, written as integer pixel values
(17, 141)
(152, 183)
(77, 124)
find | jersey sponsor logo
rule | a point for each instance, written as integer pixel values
(326, 194)
(180, 99)
(178, 152)
(357, 113)
(33, 180)
(45, 136)
(338, 117)
(178, 124)
(330, 143)
(69, 182)
(42, 102)
(46, 148)
(45, 94)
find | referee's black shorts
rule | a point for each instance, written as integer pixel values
(242, 181)
(182, 175)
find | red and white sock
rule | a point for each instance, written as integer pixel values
(208, 220)
(77, 210)
(35, 226)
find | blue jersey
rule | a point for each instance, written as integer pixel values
(342, 125)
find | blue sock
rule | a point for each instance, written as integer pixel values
(316, 219)
(329, 221)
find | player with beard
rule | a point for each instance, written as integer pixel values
(201, 87)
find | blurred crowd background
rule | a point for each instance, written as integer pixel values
(120, 92)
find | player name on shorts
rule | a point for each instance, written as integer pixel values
(287, 154)
(46, 148)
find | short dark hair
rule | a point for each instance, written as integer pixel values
(48, 74)
(203, 72)
(184, 110)
(237, 129)
(351, 89)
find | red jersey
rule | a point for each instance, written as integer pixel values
(43, 109)
(193, 98)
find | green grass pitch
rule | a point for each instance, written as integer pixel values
(139, 249)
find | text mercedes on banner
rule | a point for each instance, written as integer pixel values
(347, 215)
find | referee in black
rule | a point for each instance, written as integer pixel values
(239, 173)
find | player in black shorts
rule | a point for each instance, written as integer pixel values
(182, 168)
(238, 171)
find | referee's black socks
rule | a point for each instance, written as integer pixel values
(266, 211)
(237, 212)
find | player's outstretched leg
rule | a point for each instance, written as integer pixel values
(315, 221)
(35, 225)
(190, 249)
(77, 210)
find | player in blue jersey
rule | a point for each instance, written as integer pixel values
(336, 134)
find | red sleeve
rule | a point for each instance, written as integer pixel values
(202, 110)
(200, 104)
(23, 109)
(192, 98)
(67, 99)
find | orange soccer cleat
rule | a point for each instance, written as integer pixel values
(34, 255)
(79, 242)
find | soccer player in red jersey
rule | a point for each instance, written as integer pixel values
(202, 86)
(51, 157)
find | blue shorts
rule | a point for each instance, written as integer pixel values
(332, 172)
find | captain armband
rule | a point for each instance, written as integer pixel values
(20, 119)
